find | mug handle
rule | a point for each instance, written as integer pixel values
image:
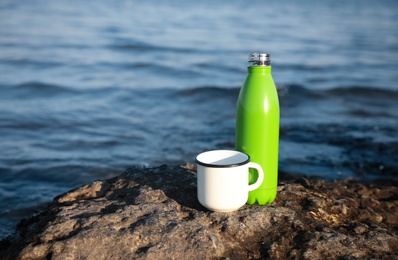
(260, 177)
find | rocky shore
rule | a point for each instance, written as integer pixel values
(153, 213)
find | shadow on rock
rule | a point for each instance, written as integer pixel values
(175, 182)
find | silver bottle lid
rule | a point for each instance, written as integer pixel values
(259, 59)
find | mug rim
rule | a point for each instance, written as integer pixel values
(215, 165)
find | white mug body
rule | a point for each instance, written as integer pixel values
(223, 179)
(222, 189)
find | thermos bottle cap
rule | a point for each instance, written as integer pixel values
(262, 59)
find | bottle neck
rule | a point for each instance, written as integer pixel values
(259, 69)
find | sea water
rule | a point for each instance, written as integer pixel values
(89, 88)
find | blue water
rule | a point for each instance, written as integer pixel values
(89, 88)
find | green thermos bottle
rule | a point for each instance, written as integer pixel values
(257, 126)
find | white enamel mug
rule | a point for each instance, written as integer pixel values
(223, 179)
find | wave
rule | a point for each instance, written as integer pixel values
(285, 91)
(40, 86)
(304, 67)
(208, 94)
(329, 104)
(338, 92)
(39, 89)
(360, 91)
(301, 91)
(35, 90)
(27, 62)
(208, 90)
(135, 45)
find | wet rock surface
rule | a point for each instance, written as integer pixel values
(153, 213)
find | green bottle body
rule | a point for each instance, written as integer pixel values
(257, 130)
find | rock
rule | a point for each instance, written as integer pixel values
(303, 181)
(153, 213)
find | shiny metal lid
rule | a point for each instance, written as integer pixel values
(259, 59)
